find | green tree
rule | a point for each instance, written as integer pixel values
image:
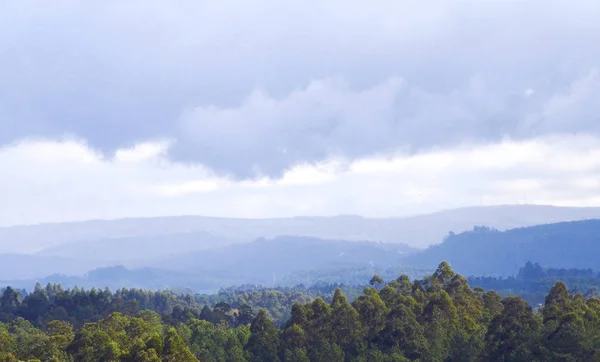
(558, 303)
(8, 344)
(296, 355)
(346, 328)
(492, 306)
(513, 335)
(293, 343)
(403, 332)
(264, 340)
(376, 280)
(440, 319)
(372, 311)
(175, 349)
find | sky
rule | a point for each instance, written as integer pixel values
(125, 108)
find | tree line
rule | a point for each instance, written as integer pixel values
(438, 318)
(78, 305)
(533, 282)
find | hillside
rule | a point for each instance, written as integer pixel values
(21, 266)
(485, 251)
(136, 250)
(264, 261)
(201, 265)
(417, 231)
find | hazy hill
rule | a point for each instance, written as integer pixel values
(481, 251)
(417, 231)
(22, 266)
(259, 262)
(265, 261)
(134, 250)
(484, 251)
(116, 277)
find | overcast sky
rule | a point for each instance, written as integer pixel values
(267, 108)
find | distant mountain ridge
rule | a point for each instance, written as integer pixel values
(481, 251)
(417, 231)
(133, 250)
(487, 252)
(266, 258)
(264, 261)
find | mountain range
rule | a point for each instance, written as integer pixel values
(417, 231)
(204, 253)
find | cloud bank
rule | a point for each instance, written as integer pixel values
(258, 109)
(247, 90)
(67, 180)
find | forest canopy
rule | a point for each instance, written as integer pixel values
(437, 318)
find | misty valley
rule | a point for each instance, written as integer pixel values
(213, 290)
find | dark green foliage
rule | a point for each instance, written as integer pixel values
(235, 306)
(440, 318)
(514, 334)
(264, 340)
(175, 349)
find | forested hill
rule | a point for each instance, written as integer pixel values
(533, 282)
(485, 251)
(439, 318)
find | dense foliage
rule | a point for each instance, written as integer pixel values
(78, 306)
(485, 251)
(438, 318)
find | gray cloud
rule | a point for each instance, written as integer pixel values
(245, 87)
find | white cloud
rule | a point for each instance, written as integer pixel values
(142, 151)
(66, 180)
(267, 108)
(264, 86)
